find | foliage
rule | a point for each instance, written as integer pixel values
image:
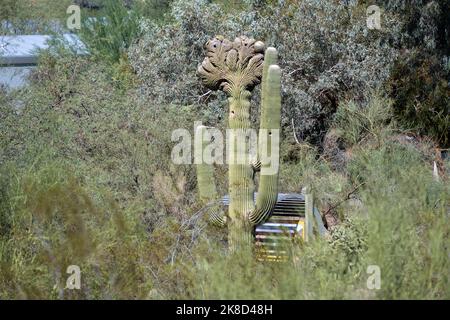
(400, 231)
(425, 23)
(108, 147)
(355, 123)
(155, 10)
(30, 17)
(86, 176)
(53, 214)
(112, 32)
(340, 58)
(323, 66)
(420, 87)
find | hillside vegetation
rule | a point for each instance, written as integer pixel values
(86, 176)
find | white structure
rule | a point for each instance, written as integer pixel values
(14, 77)
(435, 172)
(19, 54)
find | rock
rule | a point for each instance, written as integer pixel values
(334, 150)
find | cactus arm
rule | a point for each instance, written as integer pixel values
(270, 122)
(320, 227)
(205, 181)
(206, 185)
(309, 212)
(205, 175)
(270, 58)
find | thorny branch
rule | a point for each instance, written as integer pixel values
(192, 221)
(347, 197)
(207, 94)
(293, 131)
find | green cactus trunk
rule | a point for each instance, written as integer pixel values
(241, 185)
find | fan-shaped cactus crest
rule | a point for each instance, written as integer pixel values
(232, 66)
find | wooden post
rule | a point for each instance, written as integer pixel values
(309, 219)
(319, 223)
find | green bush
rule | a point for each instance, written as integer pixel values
(355, 123)
(54, 215)
(420, 90)
(86, 176)
(111, 33)
(155, 10)
(400, 227)
(115, 150)
(32, 17)
(322, 66)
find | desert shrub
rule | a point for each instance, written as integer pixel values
(9, 9)
(400, 231)
(311, 274)
(365, 125)
(321, 65)
(93, 123)
(118, 149)
(32, 17)
(425, 23)
(55, 215)
(86, 176)
(404, 223)
(111, 33)
(420, 88)
(154, 9)
(399, 227)
(369, 121)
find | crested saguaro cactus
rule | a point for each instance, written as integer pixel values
(236, 67)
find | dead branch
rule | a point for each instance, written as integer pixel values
(347, 197)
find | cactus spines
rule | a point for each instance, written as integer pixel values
(235, 68)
